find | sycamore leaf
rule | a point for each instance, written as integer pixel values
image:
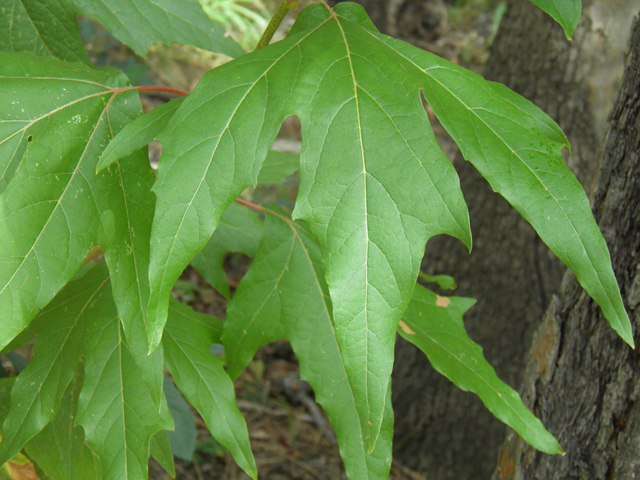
(138, 133)
(374, 184)
(140, 23)
(45, 28)
(202, 379)
(59, 117)
(434, 325)
(284, 295)
(516, 147)
(60, 449)
(565, 12)
(116, 405)
(239, 230)
(183, 439)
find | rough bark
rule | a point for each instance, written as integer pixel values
(441, 431)
(581, 379)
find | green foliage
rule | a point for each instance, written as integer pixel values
(337, 278)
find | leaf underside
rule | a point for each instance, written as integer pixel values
(284, 295)
(374, 184)
(372, 224)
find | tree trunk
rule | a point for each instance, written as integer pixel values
(440, 430)
(581, 379)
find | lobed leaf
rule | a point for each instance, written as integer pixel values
(374, 187)
(202, 379)
(284, 295)
(565, 12)
(434, 325)
(516, 147)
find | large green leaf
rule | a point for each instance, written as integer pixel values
(59, 117)
(139, 23)
(374, 187)
(60, 449)
(284, 295)
(565, 12)
(239, 230)
(45, 28)
(516, 147)
(202, 379)
(434, 325)
(116, 405)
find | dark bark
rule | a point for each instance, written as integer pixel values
(446, 433)
(582, 380)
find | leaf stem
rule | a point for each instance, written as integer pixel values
(175, 91)
(285, 6)
(253, 206)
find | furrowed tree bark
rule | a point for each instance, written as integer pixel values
(581, 379)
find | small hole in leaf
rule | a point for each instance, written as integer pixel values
(29, 138)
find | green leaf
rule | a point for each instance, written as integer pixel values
(183, 438)
(202, 379)
(160, 449)
(434, 325)
(59, 449)
(277, 166)
(239, 230)
(565, 12)
(140, 23)
(38, 390)
(45, 28)
(116, 407)
(284, 295)
(374, 184)
(138, 134)
(516, 147)
(59, 118)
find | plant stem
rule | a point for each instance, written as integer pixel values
(152, 89)
(175, 91)
(253, 206)
(285, 6)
